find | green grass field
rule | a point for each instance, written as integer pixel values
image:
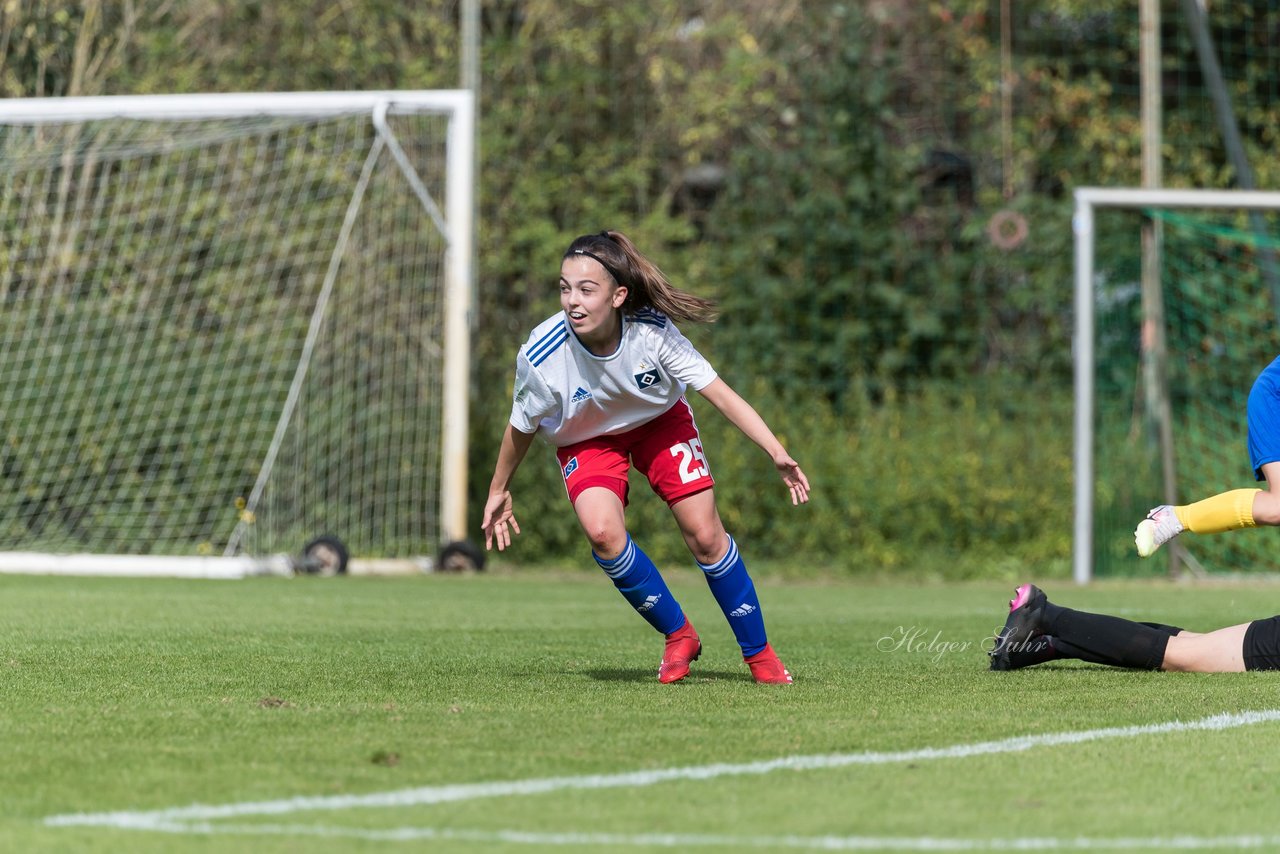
(499, 712)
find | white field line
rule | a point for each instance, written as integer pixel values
(165, 818)
(613, 841)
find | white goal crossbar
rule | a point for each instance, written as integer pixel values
(1087, 201)
(453, 218)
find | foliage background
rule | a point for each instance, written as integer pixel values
(829, 171)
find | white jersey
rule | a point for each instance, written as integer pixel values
(570, 394)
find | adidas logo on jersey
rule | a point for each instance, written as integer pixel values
(743, 610)
(580, 395)
(649, 603)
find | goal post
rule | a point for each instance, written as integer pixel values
(230, 323)
(1257, 250)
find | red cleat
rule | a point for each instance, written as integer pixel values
(683, 648)
(767, 669)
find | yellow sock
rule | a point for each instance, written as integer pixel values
(1226, 511)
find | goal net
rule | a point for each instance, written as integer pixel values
(1164, 372)
(231, 323)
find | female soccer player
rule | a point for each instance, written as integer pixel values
(1037, 630)
(1237, 508)
(604, 381)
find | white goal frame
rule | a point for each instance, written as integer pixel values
(1087, 201)
(454, 219)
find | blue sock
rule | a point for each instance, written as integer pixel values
(640, 583)
(736, 595)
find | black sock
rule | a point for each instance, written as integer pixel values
(1171, 631)
(1103, 639)
(1066, 649)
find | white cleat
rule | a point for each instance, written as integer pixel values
(1160, 526)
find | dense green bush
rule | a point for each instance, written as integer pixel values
(827, 170)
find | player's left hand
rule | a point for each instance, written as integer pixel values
(794, 478)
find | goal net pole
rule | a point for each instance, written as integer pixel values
(226, 105)
(145, 566)
(460, 156)
(1087, 201)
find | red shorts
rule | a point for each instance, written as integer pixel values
(666, 450)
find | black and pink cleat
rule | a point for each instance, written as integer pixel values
(1021, 628)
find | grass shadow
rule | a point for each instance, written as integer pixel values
(635, 674)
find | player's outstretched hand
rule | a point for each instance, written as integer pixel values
(794, 478)
(498, 522)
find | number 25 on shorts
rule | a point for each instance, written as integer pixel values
(690, 454)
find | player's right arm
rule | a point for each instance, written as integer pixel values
(532, 400)
(499, 521)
